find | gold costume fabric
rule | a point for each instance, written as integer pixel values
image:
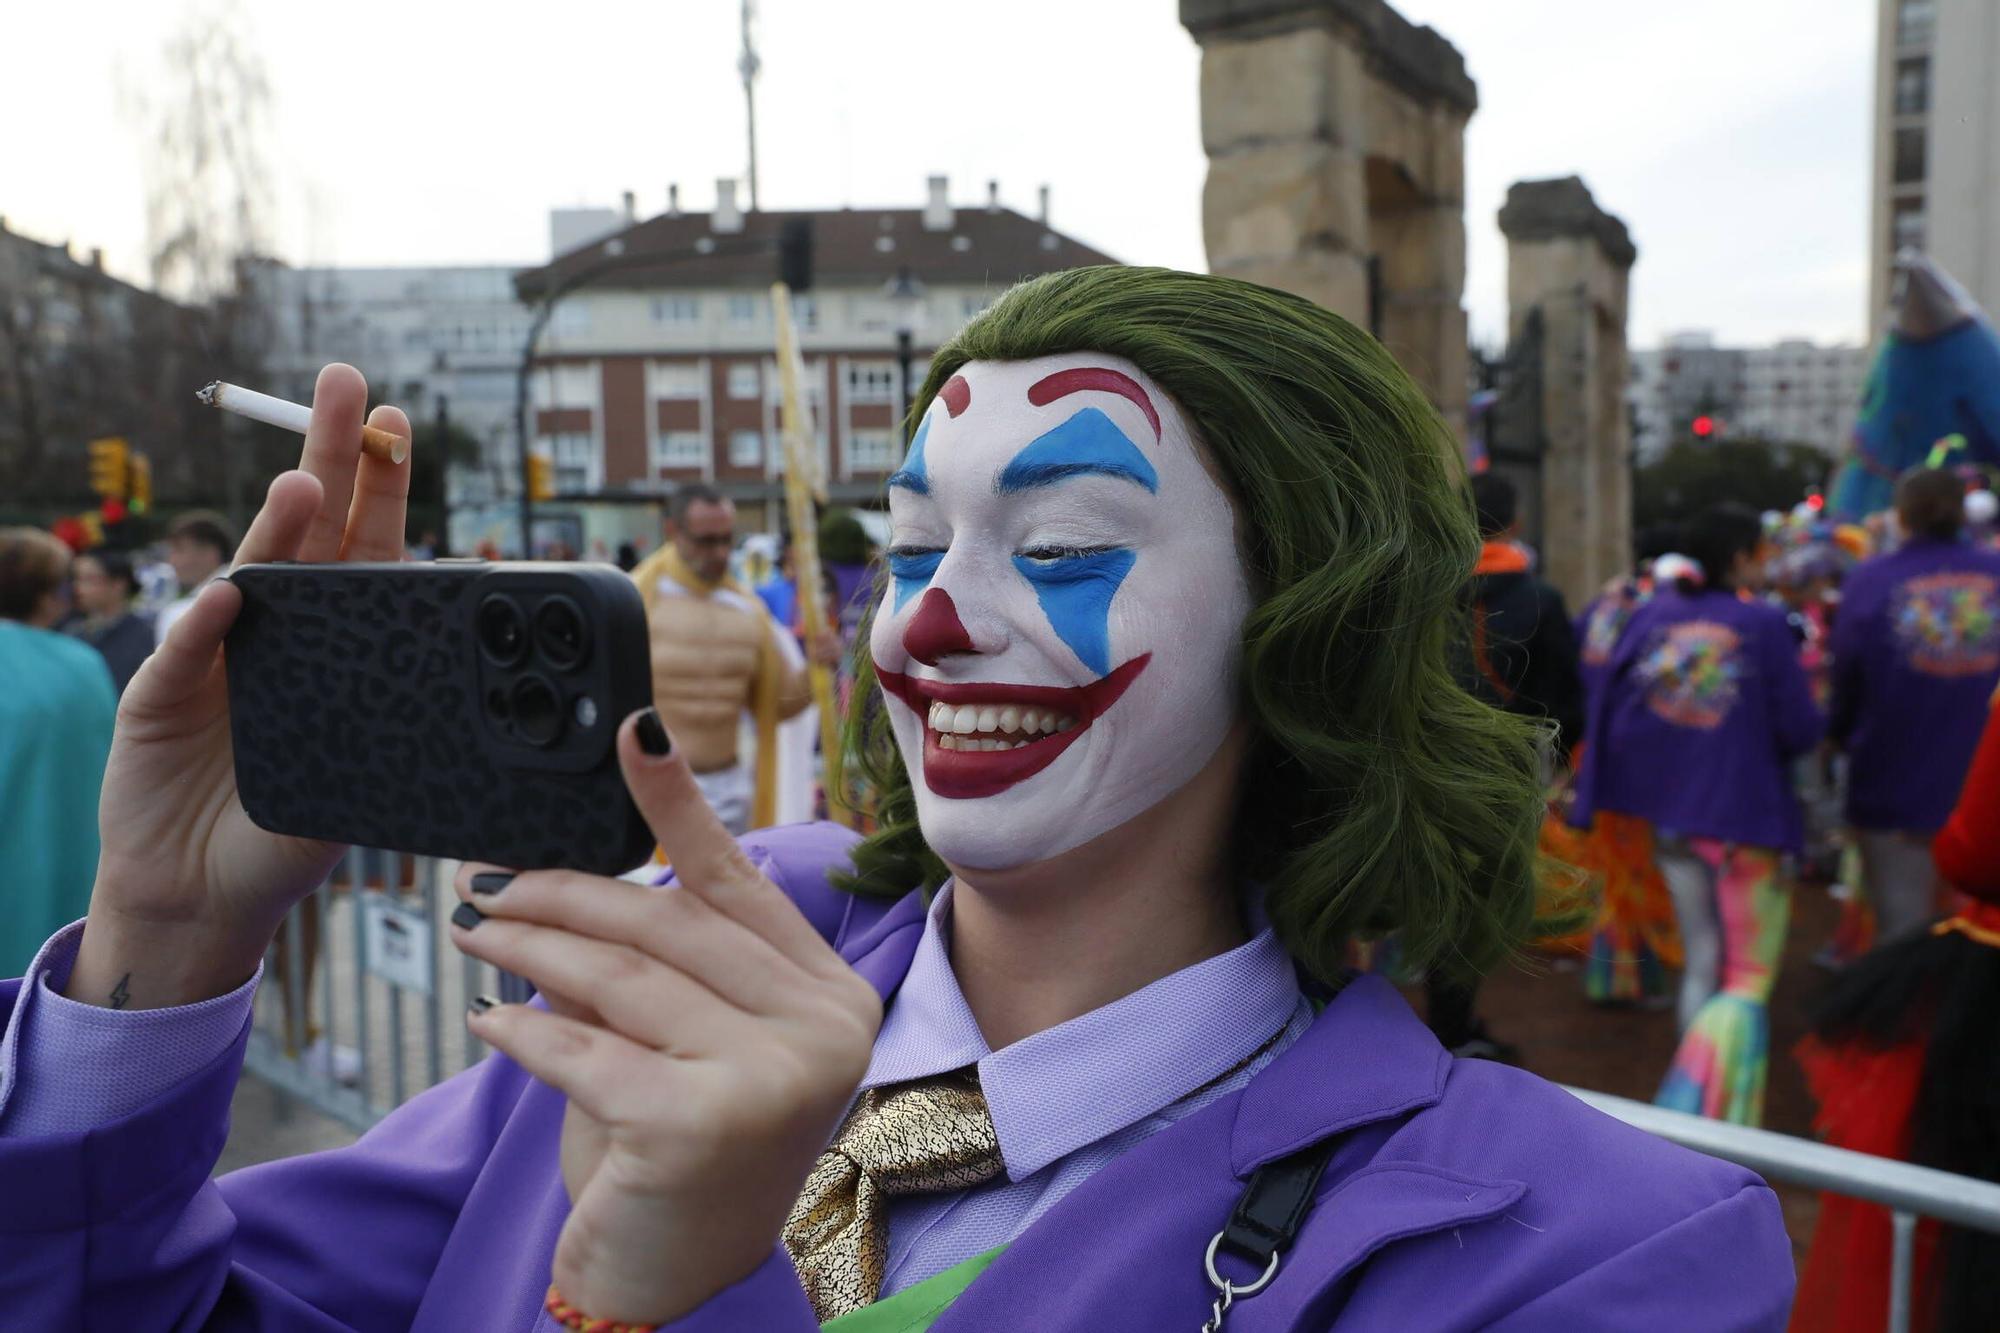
(926, 1137)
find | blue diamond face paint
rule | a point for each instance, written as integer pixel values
(912, 571)
(1075, 592)
(1078, 548)
(1088, 444)
(911, 476)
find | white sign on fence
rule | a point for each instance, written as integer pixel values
(398, 944)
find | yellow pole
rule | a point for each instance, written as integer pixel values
(802, 485)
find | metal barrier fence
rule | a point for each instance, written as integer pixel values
(363, 996)
(1908, 1191)
(379, 984)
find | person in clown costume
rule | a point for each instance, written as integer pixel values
(1156, 708)
(1702, 711)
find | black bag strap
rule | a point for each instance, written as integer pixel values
(1265, 1221)
(1275, 1203)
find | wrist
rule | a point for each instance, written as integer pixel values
(127, 963)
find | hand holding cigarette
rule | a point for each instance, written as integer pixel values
(294, 417)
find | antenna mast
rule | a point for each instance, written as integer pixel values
(747, 66)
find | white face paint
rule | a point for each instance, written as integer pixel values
(1059, 642)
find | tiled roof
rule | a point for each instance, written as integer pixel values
(851, 247)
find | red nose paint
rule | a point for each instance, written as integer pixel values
(935, 631)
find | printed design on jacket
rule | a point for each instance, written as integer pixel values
(1693, 673)
(1606, 623)
(1949, 623)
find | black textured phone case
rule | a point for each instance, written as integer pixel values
(358, 713)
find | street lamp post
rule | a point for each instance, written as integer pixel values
(906, 299)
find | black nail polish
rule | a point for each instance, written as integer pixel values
(492, 881)
(481, 1003)
(652, 735)
(467, 916)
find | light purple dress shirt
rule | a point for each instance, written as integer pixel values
(1118, 1074)
(1069, 1099)
(85, 1066)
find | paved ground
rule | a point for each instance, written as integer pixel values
(1538, 1006)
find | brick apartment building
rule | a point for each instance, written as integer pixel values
(660, 373)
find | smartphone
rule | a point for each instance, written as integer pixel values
(452, 708)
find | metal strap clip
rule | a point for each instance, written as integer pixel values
(1267, 1217)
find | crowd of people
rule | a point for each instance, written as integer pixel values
(1773, 704)
(1121, 1000)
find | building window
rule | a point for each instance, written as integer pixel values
(574, 455)
(744, 380)
(676, 309)
(871, 451)
(676, 379)
(1908, 167)
(680, 449)
(566, 385)
(744, 309)
(1913, 87)
(1914, 21)
(805, 311)
(871, 382)
(746, 448)
(571, 319)
(1906, 225)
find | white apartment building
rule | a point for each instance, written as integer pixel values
(420, 335)
(1794, 392)
(1936, 168)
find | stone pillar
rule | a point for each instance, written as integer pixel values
(1570, 259)
(1335, 137)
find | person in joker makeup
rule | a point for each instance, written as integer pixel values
(1165, 719)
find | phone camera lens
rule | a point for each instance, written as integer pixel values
(561, 634)
(503, 632)
(538, 712)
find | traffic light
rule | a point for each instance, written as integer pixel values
(107, 467)
(141, 475)
(795, 254)
(541, 477)
(1704, 427)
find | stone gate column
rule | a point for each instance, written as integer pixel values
(1335, 137)
(1571, 260)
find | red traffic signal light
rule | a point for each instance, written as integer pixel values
(1704, 427)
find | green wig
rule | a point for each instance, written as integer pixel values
(1377, 794)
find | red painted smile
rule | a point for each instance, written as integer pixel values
(980, 737)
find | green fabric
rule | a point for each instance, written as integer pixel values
(56, 707)
(914, 1309)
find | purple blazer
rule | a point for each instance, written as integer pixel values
(1916, 654)
(1461, 1194)
(1699, 715)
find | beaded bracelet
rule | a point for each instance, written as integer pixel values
(570, 1317)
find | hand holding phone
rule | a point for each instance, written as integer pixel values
(189, 890)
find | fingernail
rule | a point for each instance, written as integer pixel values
(492, 881)
(467, 916)
(481, 1003)
(653, 735)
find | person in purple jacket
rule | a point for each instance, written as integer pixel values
(1165, 719)
(1916, 655)
(1702, 709)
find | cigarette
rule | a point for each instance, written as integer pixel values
(295, 417)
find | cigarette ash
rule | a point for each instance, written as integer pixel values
(205, 395)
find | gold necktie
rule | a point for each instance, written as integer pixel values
(925, 1137)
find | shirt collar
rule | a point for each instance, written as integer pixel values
(1071, 1085)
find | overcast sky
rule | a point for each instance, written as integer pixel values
(1732, 137)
